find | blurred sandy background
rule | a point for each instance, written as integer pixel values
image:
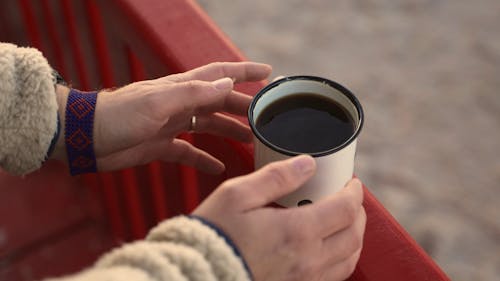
(428, 75)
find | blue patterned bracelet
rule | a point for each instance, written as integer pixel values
(78, 133)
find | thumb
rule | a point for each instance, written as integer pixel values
(273, 181)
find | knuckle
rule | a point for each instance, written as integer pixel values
(358, 241)
(289, 240)
(217, 67)
(355, 190)
(303, 235)
(228, 192)
(150, 99)
(145, 84)
(296, 233)
(278, 175)
(152, 106)
(356, 236)
(363, 219)
(355, 243)
(194, 85)
(303, 269)
(295, 237)
(349, 210)
(348, 267)
(216, 64)
(346, 248)
(182, 151)
(363, 215)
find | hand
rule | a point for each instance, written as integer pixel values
(138, 123)
(320, 241)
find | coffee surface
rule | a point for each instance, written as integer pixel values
(305, 123)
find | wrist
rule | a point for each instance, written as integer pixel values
(59, 152)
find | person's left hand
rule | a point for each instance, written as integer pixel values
(138, 123)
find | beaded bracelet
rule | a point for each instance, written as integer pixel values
(78, 136)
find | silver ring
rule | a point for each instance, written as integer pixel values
(192, 125)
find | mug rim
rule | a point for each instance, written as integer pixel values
(332, 84)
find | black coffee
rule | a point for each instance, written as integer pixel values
(305, 123)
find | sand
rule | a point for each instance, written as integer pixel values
(428, 75)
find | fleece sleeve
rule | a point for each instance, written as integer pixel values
(28, 109)
(178, 249)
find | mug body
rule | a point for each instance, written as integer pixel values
(334, 165)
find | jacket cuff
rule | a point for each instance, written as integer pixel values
(223, 258)
(227, 239)
(28, 109)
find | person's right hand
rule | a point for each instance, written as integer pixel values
(319, 241)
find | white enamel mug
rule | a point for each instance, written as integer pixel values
(334, 166)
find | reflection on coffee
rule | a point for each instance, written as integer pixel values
(305, 123)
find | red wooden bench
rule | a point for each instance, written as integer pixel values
(51, 223)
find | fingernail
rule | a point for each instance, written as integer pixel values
(356, 182)
(304, 164)
(265, 65)
(223, 84)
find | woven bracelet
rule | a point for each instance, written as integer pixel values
(78, 134)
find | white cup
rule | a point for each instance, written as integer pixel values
(334, 166)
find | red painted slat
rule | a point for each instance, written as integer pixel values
(108, 186)
(189, 180)
(158, 193)
(33, 207)
(55, 39)
(30, 24)
(74, 251)
(100, 45)
(136, 68)
(157, 187)
(75, 41)
(91, 182)
(4, 28)
(133, 204)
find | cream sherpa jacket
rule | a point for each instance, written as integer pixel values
(178, 249)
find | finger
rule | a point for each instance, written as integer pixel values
(185, 153)
(343, 269)
(341, 245)
(224, 126)
(133, 156)
(186, 97)
(269, 183)
(237, 103)
(240, 71)
(163, 149)
(234, 103)
(345, 204)
(140, 154)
